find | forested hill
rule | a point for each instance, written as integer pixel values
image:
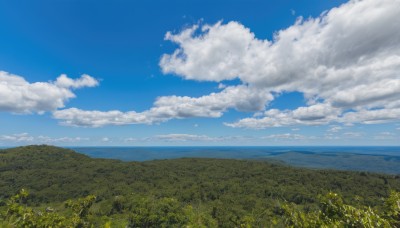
(226, 190)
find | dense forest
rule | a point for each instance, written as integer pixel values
(68, 189)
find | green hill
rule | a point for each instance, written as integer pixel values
(225, 190)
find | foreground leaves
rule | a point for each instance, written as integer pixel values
(334, 213)
(167, 212)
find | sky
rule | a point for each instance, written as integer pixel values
(199, 73)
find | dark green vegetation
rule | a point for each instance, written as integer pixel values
(200, 192)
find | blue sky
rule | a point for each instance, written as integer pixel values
(150, 73)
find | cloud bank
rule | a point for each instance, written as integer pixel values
(345, 62)
(25, 138)
(241, 98)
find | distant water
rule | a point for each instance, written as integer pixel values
(152, 153)
(372, 159)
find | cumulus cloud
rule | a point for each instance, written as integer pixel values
(385, 136)
(312, 115)
(20, 96)
(221, 86)
(346, 62)
(22, 137)
(374, 116)
(176, 137)
(84, 81)
(184, 137)
(287, 136)
(344, 40)
(51, 140)
(335, 128)
(353, 134)
(241, 98)
(82, 118)
(319, 116)
(331, 136)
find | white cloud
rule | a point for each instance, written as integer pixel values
(25, 138)
(105, 139)
(346, 59)
(22, 137)
(319, 116)
(345, 62)
(384, 136)
(288, 136)
(352, 134)
(335, 128)
(183, 138)
(331, 136)
(178, 137)
(131, 139)
(82, 118)
(19, 96)
(372, 116)
(84, 81)
(241, 98)
(312, 115)
(51, 140)
(221, 86)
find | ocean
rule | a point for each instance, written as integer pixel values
(381, 159)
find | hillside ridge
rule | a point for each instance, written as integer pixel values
(53, 175)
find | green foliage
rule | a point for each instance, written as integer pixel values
(81, 206)
(392, 208)
(17, 214)
(164, 212)
(168, 212)
(199, 217)
(334, 213)
(80, 209)
(186, 192)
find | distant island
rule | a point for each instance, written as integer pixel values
(69, 187)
